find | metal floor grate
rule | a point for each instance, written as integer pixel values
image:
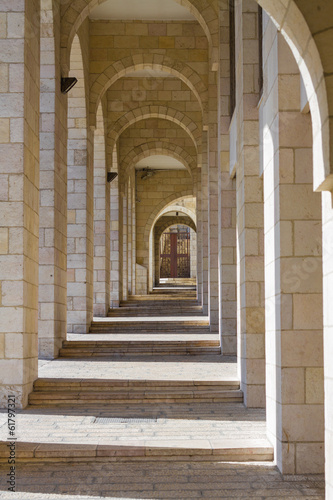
(117, 420)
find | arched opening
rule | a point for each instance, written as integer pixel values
(175, 251)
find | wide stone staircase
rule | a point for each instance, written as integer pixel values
(147, 383)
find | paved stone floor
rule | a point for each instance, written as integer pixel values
(199, 425)
(176, 481)
(144, 368)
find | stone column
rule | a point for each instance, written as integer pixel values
(199, 238)
(80, 200)
(129, 238)
(101, 223)
(227, 202)
(53, 190)
(193, 253)
(19, 200)
(114, 236)
(124, 266)
(327, 204)
(250, 211)
(204, 211)
(293, 277)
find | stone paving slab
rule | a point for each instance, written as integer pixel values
(190, 422)
(145, 368)
(148, 481)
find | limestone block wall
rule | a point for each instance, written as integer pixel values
(133, 99)
(293, 279)
(160, 44)
(19, 200)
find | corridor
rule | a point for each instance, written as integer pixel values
(146, 407)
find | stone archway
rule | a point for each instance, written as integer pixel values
(161, 225)
(74, 15)
(119, 69)
(162, 112)
(157, 148)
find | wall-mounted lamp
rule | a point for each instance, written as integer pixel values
(67, 84)
(111, 176)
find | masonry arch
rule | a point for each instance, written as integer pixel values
(183, 210)
(74, 15)
(149, 228)
(162, 112)
(160, 226)
(157, 148)
(160, 62)
(294, 28)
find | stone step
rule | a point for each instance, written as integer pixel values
(132, 325)
(83, 349)
(71, 398)
(218, 450)
(168, 298)
(89, 385)
(154, 311)
(73, 392)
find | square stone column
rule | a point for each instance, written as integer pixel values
(327, 204)
(204, 212)
(250, 210)
(52, 319)
(101, 220)
(80, 196)
(293, 275)
(19, 200)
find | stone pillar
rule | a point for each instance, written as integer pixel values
(124, 267)
(114, 236)
(129, 238)
(327, 204)
(227, 202)
(199, 238)
(213, 212)
(193, 253)
(19, 201)
(293, 277)
(250, 211)
(53, 190)
(80, 201)
(133, 235)
(101, 223)
(204, 211)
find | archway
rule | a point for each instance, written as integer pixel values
(174, 250)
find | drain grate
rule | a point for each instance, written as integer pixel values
(117, 420)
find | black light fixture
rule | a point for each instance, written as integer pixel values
(67, 84)
(111, 176)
